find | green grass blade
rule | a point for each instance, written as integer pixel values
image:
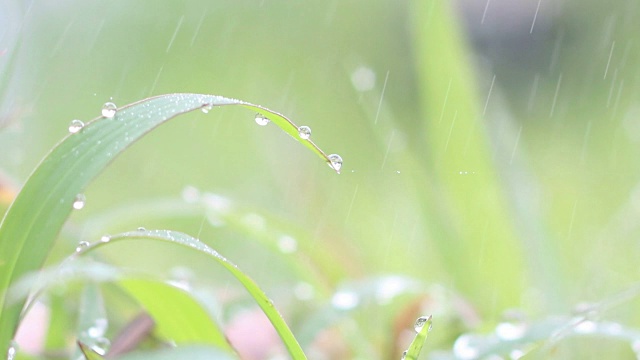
(177, 315)
(478, 240)
(37, 214)
(258, 295)
(88, 352)
(423, 325)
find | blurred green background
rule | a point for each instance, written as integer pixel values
(490, 147)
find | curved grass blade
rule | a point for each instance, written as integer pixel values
(88, 352)
(258, 295)
(37, 214)
(423, 326)
(179, 317)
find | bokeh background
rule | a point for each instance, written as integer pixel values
(490, 155)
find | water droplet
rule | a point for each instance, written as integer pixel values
(75, 126)
(363, 78)
(404, 355)
(466, 347)
(12, 351)
(207, 108)
(421, 322)
(304, 132)
(79, 201)
(98, 329)
(335, 162)
(101, 345)
(516, 354)
(287, 244)
(105, 238)
(141, 228)
(304, 291)
(262, 120)
(510, 331)
(82, 245)
(585, 327)
(109, 110)
(345, 300)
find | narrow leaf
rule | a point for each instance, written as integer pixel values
(258, 295)
(423, 326)
(37, 214)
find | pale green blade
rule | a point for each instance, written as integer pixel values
(423, 326)
(37, 214)
(192, 243)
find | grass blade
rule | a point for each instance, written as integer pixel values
(258, 295)
(423, 325)
(37, 214)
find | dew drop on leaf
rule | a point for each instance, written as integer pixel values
(335, 162)
(404, 355)
(13, 350)
(109, 110)
(82, 245)
(79, 201)
(304, 132)
(105, 238)
(262, 120)
(101, 345)
(75, 126)
(421, 322)
(207, 108)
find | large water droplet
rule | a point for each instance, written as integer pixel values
(79, 201)
(75, 126)
(109, 110)
(82, 245)
(262, 120)
(105, 238)
(345, 300)
(510, 331)
(421, 322)
(287, 244)
(335, 162)
(101, 345)
(304, 132)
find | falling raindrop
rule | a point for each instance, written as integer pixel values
(335, 162)
(262, 120)
(421, 322)
(304, 132)
(345, 300)
(75, 126)
(79, 201)
(101, 345)
(109, 110)
(287, 244)
(82, 245)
